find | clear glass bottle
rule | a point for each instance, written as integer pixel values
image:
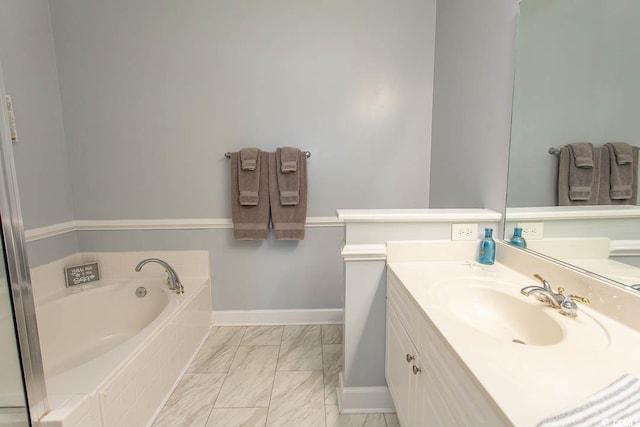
(487, 253)
(517, 239)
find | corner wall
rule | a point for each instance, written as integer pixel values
(475, 49)
(30, 77)
(155, 92)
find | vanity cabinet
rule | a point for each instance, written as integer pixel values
(429, 384)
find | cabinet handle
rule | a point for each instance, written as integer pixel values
(410, 358)
(416, 370)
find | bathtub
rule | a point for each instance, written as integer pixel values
(110, 357)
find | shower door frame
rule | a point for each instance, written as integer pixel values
(18, 274)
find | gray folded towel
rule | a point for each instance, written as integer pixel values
(623, 152)
(289, 159)
(249, 158)
(616, 404)
(582, 153)
(621, 175)
(288, 220)
(289, 182)
(577, 185)
(249, 179)
(250, 222)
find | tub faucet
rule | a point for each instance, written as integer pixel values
(172, 277)
(565, 303)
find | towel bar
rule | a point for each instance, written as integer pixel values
(228, 154)
(553, 150)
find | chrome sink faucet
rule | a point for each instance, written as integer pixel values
(558, 300)
(172, 277)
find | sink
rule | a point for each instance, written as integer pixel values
(501, 315)
(498, 310)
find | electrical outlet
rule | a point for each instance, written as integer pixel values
(532, 230)
(464, 231)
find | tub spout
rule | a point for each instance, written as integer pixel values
(173, 280)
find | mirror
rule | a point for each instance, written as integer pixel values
(577, 79)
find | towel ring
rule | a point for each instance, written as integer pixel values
(553, 150)
(306, 153)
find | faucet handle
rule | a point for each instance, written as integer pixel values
(545, 284)
(583, 300)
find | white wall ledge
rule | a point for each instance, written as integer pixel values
(154, 224)
(375, 252)
(418, 215)
(559, 213)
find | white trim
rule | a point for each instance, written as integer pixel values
(277, 317)
(624, 248)
(154, 224)
(418, 215)
(363, 400)
(324, 221)
(364, 252)
(49, 231)
(559, 213)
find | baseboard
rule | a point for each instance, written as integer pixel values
(363, 400)
(277, 317)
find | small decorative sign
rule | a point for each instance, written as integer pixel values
(81, 274)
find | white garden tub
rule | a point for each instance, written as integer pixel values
(115, 355)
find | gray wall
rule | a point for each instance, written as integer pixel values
(472, 102)
(249, 275)
(577, 72)
(155, 92)
(30, 77)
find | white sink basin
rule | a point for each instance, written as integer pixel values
(499, 311)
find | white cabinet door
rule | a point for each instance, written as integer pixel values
(398, 370)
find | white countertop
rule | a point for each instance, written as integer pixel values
(527, 382)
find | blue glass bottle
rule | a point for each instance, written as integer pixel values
(517, 239)
(487, 254)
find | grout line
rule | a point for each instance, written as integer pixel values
(275, 371)
(324, 384)
(226, 375)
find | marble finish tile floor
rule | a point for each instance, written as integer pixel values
(259, 376)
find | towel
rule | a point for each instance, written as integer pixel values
(582, 153)
(288, 182)
(250, 222)
(289, 159)
(581, 171)
(618, 404)
(249, 158)
(623, 174)
(288, 220)
(249, 179)
(623, 152)
(578, 186)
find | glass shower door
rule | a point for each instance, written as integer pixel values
(13, 405)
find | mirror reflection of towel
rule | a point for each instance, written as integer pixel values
(623, 172)
(578, 185)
